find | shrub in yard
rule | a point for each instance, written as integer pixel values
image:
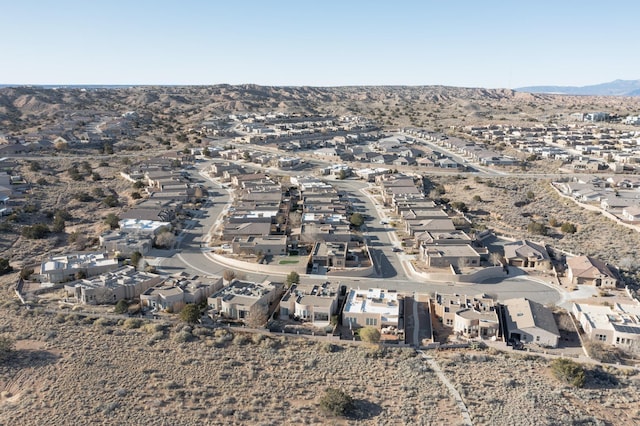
(131, 323)
(190, 314)
(336, 402)
(568, 371)
(369, 335)
(121, 307)
(5, 267)
(604, 353)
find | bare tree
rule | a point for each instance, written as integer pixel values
(496, 258)
(258, 315)
(228, 275)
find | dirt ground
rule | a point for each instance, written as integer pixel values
(74, 369)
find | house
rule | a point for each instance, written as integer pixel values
(452, 255)
(232, 230)
(469, 316)
(266, 245)
(57, 269)
(243, 299)
(372, 307)
(178, 291)
(526, 254)
(631, 213)
(616, 325)
(329, 254)
(110, 287)
(124, 244)
(314, 303)
(589, 271)
(529, 322)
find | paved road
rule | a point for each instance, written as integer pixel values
(192, 245)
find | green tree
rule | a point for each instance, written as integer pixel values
(537, 228)
(6, 347)
(112, 220)
(356, 219)
(292, 278)
(568, 371)
(568, 228)
(5, 266)
(25, 273)
(36, 232)
(136, 257)
(190, 313)
(58, 223)
(121, 307)
(110, 201)
(139, 184)
(369, 335)
(336, 402)
(460, 206)
(342, 174)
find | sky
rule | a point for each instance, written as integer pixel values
(491, 44)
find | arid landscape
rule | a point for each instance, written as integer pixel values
(72, 365)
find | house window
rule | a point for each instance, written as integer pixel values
(537, 338)
(601, 337)
(371, 321)
(449, 321)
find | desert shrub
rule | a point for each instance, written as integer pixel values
(110, 201)
(36, 232)
(537, 228)
(240, 340)
(190, 314)
(568, 228)
(369, 335)
(102, 322)
(182, 336)
(121, 307)
(25, 273)
(568, 371)
(153, 327)
(5, 266)
(112, 220)
(131, 323)
(336, 402)
(604, 353)
(6, 347)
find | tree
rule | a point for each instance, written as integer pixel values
(292, 278)
(257, 316)
(568, 371)
(206, 152)
(495, 258)
(6, 347)
(568, 228)
(36, 232)
(121, 307)
(356, 219)
(5, 266)
(369, 335)
(460, 206)
(25, 273)
(342, 175)
(165, 239)
(96, 176)
(537, 228)
(228, 275)
(136, 257)
(336, 402)
(58, 224)
(190, 313)
(110, 200)
(135, 195)
(477, 198)
(112, 220)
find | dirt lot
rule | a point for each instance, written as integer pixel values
(70, 369)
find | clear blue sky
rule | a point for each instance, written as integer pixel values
(491, 44)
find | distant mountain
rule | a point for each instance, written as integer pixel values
(614, 88)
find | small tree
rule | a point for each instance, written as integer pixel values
(5, 266)
(112, 220)
(495, 258)
(121, 307)
(370, 335)
(568, 228)
(6, 347)
(292, 278)
(568, 371)
(336, 402)
(110, 201)
(356, 219)
(228, 275)
(258, 315)
(136, 257)
(190, 313)
(165, 239)
(537, 228)
(25, 273)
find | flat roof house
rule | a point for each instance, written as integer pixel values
(530, 322)
(110, 287)
(616, 325)
(57, 269)
(315, 303)
(470, 317)
(371, 307)
(240, 298)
